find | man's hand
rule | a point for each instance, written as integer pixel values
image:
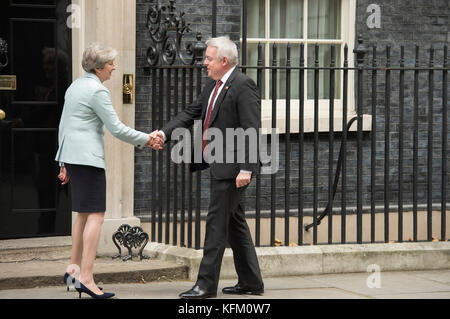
(156, 140)
(63, 175)
(243, 179)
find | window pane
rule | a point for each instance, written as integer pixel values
(252, 60)
(281, 74)
(324, 19)
(324, 75)
(286, 19)
(256, 19)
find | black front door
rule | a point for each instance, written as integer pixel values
(32, 202)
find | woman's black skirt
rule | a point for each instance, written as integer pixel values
(88, 186)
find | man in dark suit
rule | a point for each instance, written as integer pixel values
(229, 100)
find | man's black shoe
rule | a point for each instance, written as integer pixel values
(197, 293)
(237, 290)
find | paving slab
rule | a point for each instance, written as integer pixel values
(442, 276)
(309, 293)
(390, 283)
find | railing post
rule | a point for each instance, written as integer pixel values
(199, 51)
(183, 170)
(244, 35)
(360, 52)
(175, 170)
(430, 146)
(288, 147)
(400, 143)
(374, 145)
(331, 146)
(160, 156)
(344, 145)
(387, 120)
(415, 141)
(167, 93)
(301, 145)
(444, 144)
(274, 125)
(190, 186)
(258, 176)
(316, 142)
(154, 160)
(214, 18)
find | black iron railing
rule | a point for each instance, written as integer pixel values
(174, 87)
(408, 156)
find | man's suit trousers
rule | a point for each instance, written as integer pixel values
(226, 223)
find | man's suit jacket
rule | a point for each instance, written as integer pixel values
(87, 110)
(237, 106)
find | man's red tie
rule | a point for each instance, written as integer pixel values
(208, 116)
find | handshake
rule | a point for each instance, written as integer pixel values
(156, 140)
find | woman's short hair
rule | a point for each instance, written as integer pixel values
(96, 55)
(225, 48)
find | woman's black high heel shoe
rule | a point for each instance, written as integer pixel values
(84, 289)
(72, 281)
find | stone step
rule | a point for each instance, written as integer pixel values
(45, 248)
(40, 262)
(39, 273)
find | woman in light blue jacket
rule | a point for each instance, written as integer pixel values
(87, 110)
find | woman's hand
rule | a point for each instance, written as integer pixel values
(156, 140)
(63, 175)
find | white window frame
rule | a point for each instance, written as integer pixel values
(348, 18)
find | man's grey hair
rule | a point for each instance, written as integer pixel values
(225, 48)
(96, 56)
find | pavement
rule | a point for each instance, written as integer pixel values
(434, 284)
(33, 269)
